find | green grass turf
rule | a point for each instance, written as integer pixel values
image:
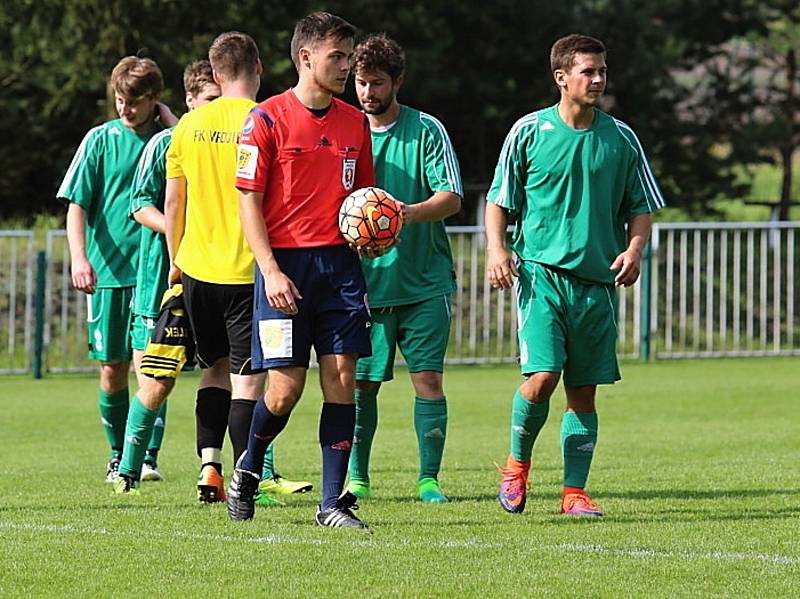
(697, 469)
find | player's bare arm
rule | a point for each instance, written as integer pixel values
(175, 221)
(437, 207)
(84, 277)
(628, 262)
(500, 267)
(280, 289)
(152, 218)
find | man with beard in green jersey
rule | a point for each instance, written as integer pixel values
(410, 286)
(574, 178)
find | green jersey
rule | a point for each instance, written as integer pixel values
(148, 190)
(99, 180)
(573, 190)
(413, 160)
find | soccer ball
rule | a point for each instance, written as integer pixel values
(370, 218)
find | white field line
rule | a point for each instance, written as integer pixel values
(635, 553)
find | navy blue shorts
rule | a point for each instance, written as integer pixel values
(332, 316)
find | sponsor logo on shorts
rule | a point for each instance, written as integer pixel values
(275, 338)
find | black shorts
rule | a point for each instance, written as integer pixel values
(221, 317)
(332, 316)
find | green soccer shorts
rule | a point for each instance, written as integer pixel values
(420, 330)
(141, 328)
(566, 324)
(109, 324)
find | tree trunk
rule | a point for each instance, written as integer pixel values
(787, 151)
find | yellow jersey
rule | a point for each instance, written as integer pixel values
(204, 152)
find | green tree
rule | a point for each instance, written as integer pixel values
(477, 65)
(775, 79)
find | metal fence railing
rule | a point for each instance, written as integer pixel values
(16, 301)
(707, 290)
(725, 289)
(65, 337)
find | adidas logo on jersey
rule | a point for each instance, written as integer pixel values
(546, 126)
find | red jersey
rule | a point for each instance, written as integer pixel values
(305, 166)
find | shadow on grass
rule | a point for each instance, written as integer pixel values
(687, 516)
(111, 506)
(696, 493)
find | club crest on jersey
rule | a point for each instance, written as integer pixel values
(348, 173)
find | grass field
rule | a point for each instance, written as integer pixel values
(697, 469)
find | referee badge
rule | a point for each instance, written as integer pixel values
(348, 173)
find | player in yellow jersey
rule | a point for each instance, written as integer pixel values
(210, 256)
(144, 430)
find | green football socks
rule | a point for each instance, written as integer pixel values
(366, 425)
(268, 470)
(113, 414)
(137, 433)
(430, 424)
(527, 419)
(578, 440)
(157, 438)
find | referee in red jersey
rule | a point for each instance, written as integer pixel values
(300, 154)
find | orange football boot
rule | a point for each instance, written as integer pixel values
(514, 486)
(579, 504)
(210, 485)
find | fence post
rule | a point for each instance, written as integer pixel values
(38, 339)
(644, 308)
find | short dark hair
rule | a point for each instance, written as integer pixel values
(196, 76)
(379, 52)
(135, 77)
(318, 27)
(562, 54)
(233, 54)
